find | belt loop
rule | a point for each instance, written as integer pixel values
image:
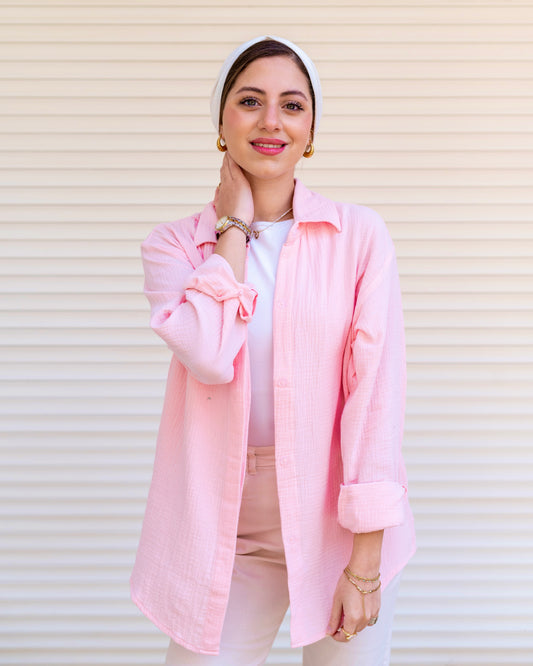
(251, 462)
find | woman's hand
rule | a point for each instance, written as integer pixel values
(351, 609)
(234, 195)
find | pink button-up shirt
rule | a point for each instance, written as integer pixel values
(339, 392)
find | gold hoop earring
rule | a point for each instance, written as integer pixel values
(221, 144)
(309, 150)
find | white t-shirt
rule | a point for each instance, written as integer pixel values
(263, 257)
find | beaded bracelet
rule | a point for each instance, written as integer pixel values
(231, 221)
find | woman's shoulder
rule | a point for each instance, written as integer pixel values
(175, 230)
(354, 213)
(192, 230)
(362, 224)
(349, 218)
(365, 236)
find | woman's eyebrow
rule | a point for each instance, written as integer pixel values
(262, 92)
(295, 92)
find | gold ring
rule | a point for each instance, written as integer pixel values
(347, 635)
(372, 621)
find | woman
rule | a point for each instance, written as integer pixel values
(278, 476)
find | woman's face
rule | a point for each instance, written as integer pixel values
(267, 118)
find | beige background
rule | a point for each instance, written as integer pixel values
(104, 132)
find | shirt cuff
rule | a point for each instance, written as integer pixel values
(369, 507)
(216, 279)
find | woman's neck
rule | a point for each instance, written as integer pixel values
(271, 197)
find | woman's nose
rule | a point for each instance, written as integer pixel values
(270, 118)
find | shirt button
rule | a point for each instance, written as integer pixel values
(283, 383)
(281, 304)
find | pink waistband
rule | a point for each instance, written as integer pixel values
(263, 457)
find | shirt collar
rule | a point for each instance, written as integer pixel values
(307, 207)
(312, 207)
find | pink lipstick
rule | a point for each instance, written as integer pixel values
(268, 146)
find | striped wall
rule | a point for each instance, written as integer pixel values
(104, 132)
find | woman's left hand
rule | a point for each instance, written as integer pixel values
(351, 610)
(233, 196)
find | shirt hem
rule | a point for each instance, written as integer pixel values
(166, 630)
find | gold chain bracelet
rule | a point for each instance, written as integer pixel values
(348, 572)
(353, 580)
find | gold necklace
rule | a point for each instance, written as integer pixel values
(256, 232)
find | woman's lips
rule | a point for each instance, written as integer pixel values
(268, 146)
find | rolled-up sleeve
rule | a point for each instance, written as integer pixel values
(220, 285)
(372, 496)
(200, 311)
(368, 507)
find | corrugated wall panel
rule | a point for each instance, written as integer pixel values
(104, 132)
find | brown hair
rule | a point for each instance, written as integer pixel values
(267, 48)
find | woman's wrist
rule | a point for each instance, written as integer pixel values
(365, 559)
(228, 222)
(232, 247)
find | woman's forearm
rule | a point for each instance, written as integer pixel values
(232, 246)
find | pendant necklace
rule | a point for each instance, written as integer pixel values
(256, 232)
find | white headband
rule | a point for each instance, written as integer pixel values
(228, 63)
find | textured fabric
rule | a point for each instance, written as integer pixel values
(259, 596)
(216, 95)
(262, 264)
(339, 392)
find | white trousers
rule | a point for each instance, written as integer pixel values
(259, 595)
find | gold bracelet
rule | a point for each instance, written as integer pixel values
(355, 584)
(364, 592)
(364, 580)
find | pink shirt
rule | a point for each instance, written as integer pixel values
(339, 393)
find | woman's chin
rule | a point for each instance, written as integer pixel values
(268, 173)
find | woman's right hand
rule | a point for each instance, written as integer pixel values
(234, 195)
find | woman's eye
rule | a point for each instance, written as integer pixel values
(294, 106)
(249, 101)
